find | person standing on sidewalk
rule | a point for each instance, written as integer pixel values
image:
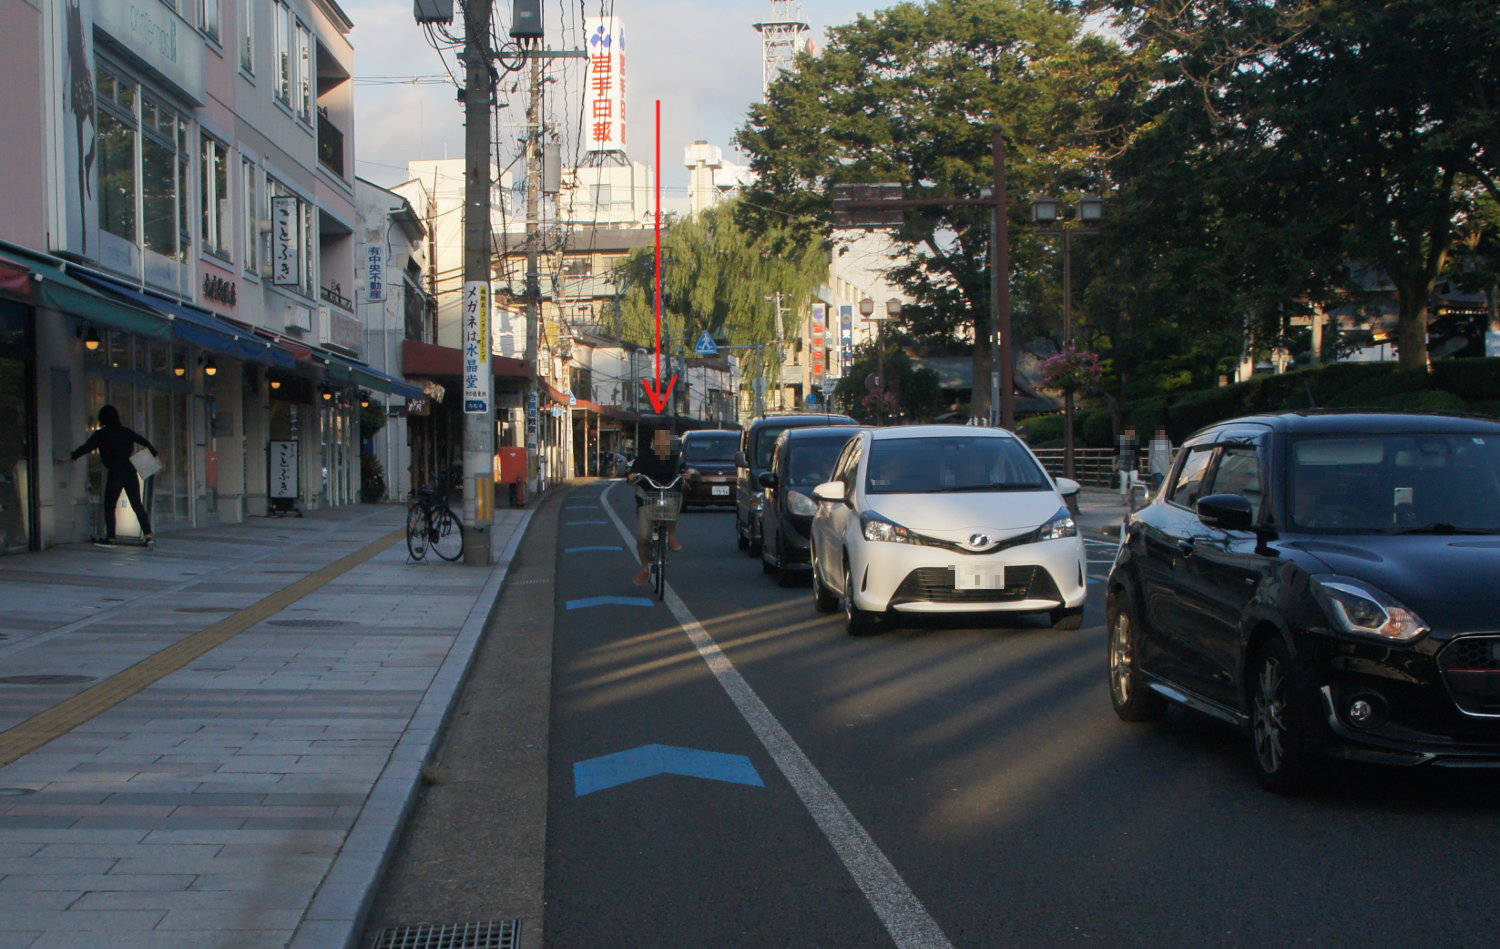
(115, 442)
(1128, 463)
(660, 464)
(1161, 457)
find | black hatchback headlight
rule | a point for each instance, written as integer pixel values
(1359, 608)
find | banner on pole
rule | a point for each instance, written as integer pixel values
(479, 374)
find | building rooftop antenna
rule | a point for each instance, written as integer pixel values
(783, 35)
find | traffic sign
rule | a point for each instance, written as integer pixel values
(706, 345)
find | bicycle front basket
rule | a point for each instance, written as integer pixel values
(665, 505)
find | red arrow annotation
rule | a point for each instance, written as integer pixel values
(659, 398)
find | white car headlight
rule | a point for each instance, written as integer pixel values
(1061, 525)
(1356, 607)
(799, 503)
(877, 528)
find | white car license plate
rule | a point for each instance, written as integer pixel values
(721, 490)
(979, 576)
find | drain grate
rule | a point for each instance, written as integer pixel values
(311, 623)
(45, 680)
(495, 934)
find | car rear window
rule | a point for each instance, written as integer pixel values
(1396, 482)
(810, 461)
(952, 463)
(706, 449)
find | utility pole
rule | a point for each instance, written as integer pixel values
(479, 370)
(533, 267)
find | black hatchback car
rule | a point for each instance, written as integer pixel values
(1327, 582)
(802, 459)
(753, 458)
(708, 467)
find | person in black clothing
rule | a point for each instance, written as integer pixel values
(115, 443)
(660, 464)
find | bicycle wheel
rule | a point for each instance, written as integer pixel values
(416, 532)
(659, 560)
(447, 534)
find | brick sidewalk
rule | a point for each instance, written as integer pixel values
(254, 713)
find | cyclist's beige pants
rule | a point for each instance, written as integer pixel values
(643, 531)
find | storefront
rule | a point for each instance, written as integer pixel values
(17, 418)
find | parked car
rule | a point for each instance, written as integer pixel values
(944, 519)
(1326, 582)
(754, 457)
(708, 467)
(802, 459)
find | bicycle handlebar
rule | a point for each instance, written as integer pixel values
(660, 487)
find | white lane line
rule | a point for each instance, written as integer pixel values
(902, 914)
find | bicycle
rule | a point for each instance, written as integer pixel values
(665, 505)
(431, 523)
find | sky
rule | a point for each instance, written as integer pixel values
(701, 58)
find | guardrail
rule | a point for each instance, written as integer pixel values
(1094, 467)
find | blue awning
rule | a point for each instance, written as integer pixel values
(345, 369)
(192, 325)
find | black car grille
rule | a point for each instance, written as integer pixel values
(935, 585)
(1471, 670)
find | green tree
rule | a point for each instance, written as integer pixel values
(914, 94)
(719, 277)
(1288, 139)
(908, 394)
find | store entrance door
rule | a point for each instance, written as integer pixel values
(17, 428)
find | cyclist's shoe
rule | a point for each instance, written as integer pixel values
(675, 544)
(105, 542)
(642, 578)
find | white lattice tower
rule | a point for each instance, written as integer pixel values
(782, 36)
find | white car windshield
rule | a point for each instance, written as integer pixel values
(952, 463)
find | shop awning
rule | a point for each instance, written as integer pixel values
(347, 369)
(56, 290)
(425, 359)
(189, 324)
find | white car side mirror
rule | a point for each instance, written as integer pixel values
(830, 491)
(1067, 487)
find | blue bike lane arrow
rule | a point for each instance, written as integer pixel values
(647, 761)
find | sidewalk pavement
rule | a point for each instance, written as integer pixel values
(1100, 512)
(215, 743)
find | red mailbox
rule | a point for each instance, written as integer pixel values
(511, 470)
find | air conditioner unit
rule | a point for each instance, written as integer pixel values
(299, 318)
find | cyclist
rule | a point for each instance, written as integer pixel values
(661, 464)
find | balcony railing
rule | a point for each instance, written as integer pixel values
(330, 144)
(332, 295)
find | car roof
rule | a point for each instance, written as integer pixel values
(704, 432)
(813, 432)
(799, 420)
(936, 431)
(1362, 421)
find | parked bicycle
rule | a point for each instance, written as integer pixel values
(663, 504)
(431, 524)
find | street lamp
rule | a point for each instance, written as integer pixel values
(1048, 211)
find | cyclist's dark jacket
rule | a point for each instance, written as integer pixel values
(658, 468)
(115, 443)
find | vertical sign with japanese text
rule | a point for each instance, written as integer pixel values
(846, 338)
(375, 273)
(479, 373)
(286, 244)
(283, 470)
(819, 340)
(604, 84)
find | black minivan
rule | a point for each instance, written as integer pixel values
(1326, 582)
(802, 459)
(753, 458)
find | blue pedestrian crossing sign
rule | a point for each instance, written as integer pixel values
(706, 345)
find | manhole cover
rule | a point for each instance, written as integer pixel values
(208, 609)
(496, 934)
(311, 623)
(45, 680)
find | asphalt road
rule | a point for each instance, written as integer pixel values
(935, 786)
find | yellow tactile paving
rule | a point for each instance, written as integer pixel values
(70, 713)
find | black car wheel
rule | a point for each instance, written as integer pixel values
(785, 576)
(1278, 728)
(824, 599)
(739, 533)
(1133, 702)
(857, 622)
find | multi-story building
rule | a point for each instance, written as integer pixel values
(179, 241)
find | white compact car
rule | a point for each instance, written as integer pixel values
(945, 519)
